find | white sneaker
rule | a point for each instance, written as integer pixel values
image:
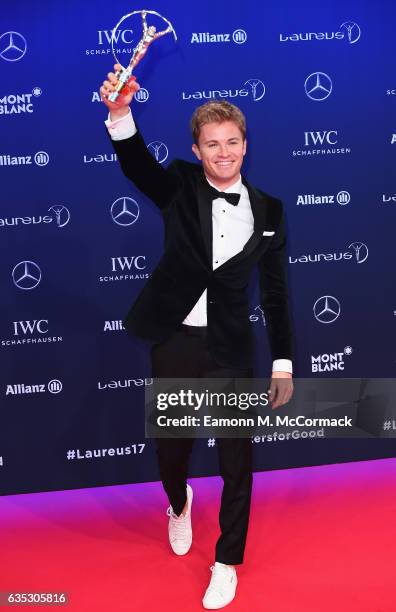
(222, 586)
(179, 527)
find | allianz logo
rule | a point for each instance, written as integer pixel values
(330, 362)
(99, 159)
(238, 36)
(342, 198)
(127, 383)
(53, 386)
(41, 158)
(358, 252)
(113, 325)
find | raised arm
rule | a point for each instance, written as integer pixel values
(156, 182)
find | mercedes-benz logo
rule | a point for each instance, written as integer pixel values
(12, 46)
(353, 31)
(124, 211)
(26, 275)
(318, 86)
(361, 251)
(257, 87)
(159, 150)
(327, 309)
(62, 215)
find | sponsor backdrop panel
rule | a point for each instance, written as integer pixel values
(317, 83)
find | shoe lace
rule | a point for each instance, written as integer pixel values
(178, 524)
(217, 580)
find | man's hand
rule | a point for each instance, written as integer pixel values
(120, 108)
(281, 389)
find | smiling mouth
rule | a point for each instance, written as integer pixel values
(227, 163)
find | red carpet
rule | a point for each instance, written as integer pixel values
(321, 539)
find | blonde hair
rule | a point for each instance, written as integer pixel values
(216, 111)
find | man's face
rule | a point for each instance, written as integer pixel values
(221, 149)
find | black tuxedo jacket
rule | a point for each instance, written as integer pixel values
(185, 269)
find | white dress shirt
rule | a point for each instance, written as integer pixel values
(232, 227)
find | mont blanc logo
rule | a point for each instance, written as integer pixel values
(26, 275)
(126, 268)
(142, 95)
(60, 216)
(238, 36)
(41, 158)
(124, 211)
(19, 103)
(318, 86)
(349, 31)
(324, 142)
(159, 150)
(124, 42)
(252, 87)
(358, 252)
(308, 199)
(53, 386)
(330, 362)
(327, 309)
(12, 46)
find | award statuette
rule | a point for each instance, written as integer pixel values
(149, 35)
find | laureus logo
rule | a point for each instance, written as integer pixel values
(252, 87)
(257, 88)
(159, 150)
(349, 31)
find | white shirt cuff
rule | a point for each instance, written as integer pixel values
(282, 365)
(121, 128)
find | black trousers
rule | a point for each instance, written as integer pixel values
(185, 355)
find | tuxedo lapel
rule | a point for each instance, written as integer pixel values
(258, 204)
(205, 215)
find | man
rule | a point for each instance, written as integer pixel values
(194, 307)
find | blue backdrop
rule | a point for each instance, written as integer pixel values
(317, 83)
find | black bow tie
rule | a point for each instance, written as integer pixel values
(232, 198)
